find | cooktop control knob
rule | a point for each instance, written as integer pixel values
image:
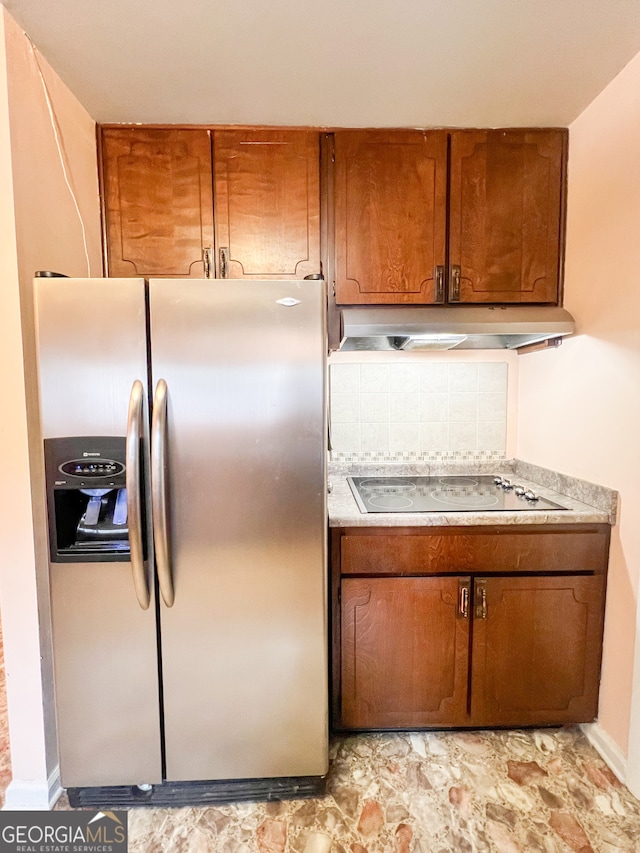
(519, 490)
(506, 484)
(497, 481)
(531, 496)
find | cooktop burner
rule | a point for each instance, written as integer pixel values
(445, 494)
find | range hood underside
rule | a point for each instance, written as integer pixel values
(402, 328)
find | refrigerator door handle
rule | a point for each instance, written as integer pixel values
(159, 492)
(134, 510)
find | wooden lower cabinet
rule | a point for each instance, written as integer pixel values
(536, 650)
(465, 650)
(405, 652)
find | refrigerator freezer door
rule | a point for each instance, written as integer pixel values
(91, 341)
(244, 644)
(106, 677)
(91, 337)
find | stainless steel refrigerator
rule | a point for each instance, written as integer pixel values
(184, 437)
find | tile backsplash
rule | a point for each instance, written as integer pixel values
(418, 411)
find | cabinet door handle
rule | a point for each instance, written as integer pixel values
(439, 279)
(463, 600)
(207, 258)
(454, 295)
(223, 256)
(481, 606)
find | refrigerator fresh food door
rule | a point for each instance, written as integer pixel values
(239, 520)
(91, 339)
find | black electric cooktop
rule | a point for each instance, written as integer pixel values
(485, 493)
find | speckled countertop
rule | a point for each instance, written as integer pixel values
(586, 503)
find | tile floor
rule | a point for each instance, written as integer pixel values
(510, 791)
(543, 791)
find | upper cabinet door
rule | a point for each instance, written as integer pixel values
(390, 215)
(267, 203)
(506, 201)
(157, 201)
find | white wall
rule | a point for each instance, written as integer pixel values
(39, 229)
(579, 407)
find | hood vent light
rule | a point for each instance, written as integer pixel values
(413, 329)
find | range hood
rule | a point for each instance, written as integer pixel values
(441, 327)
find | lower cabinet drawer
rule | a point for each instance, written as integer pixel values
(488, 550)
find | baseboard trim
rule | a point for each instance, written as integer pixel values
(33, 796)
(607, 748)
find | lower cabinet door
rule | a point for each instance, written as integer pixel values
(536, 650)
(405, 652)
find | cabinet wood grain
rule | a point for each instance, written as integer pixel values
(267, 202)
(477, 549)
(505, 220)
(390, 215)
(405, 219)
(404, 653)
(158, 202)
(536, 654)
(467, 627)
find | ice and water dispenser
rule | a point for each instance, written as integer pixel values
(87, 499)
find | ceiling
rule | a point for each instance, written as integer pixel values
(422, 63)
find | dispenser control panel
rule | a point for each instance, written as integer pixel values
(96, 468)
(87, 499)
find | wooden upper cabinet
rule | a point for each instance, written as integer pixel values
(158, 206)
(267, 203)
(390, 215)
(506, 200)
(396, 203)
